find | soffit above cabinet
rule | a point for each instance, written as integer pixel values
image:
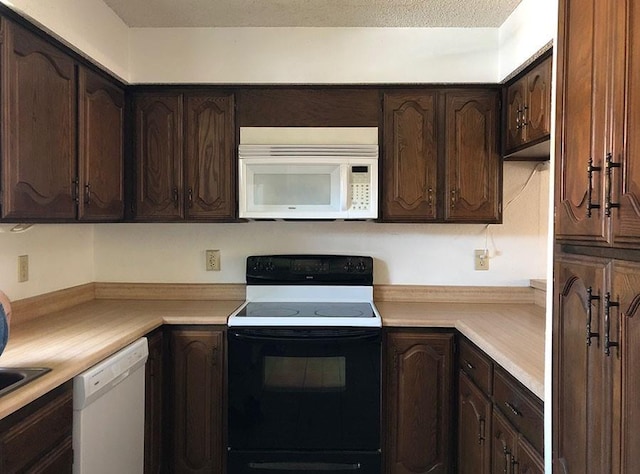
(313, 13)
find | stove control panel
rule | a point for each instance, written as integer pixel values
(309, 269)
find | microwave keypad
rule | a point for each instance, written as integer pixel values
(360, 191)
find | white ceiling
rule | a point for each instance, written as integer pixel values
(313, 13)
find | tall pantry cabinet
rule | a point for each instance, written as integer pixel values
(596, 367)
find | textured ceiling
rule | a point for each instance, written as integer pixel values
(313, 13)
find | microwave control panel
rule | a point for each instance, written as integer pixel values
(360, 188)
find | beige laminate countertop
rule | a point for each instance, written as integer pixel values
(511, 334)
(72, 340)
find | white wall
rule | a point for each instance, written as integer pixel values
(531, 26)
(426, 254)
(60, 256)
(88, 26)
(313, 55)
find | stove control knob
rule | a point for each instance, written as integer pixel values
(361, 266)
(348, 267)
(269, 266)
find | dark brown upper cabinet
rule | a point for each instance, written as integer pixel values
(528, 111)
(440, 159)
(39, 128)
(410, 156)
(101, 148)
(50, 103)
(472, 164)
(184, 155)
(598, 113)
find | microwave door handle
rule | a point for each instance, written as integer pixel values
(344, 187)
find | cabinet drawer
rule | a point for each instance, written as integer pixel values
(476, 365)
(521, 407)
(32, 435)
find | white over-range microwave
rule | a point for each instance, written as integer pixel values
(308, 173)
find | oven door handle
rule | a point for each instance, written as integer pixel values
(302, 336)
(304, 466)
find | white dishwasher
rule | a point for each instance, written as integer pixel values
(108, 414)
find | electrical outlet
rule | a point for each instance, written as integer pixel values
(213, 260)
(23, 268)
(481, 259)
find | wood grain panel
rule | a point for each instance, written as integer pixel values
(36, 306)
(210, 156)
(474, 429)
(410, 157)
(472, 161)
(538, 113)
(454, 294)
(39, 127)
(308, 107)
(101, 148)
(170, 291)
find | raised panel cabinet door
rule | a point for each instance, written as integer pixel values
(410, 157)
(101, 147)
(158, 136)
(528, 461)
(581, 416)
(624, 180)
(624, 329)
(474, 428)
(504, 439)
(154, 406)
(196, 389)
(419, 372)
(515, 110)
(581, 115)
(210, 158)
(38, 128)
(538, 104)
(472, 165)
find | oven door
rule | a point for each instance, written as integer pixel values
(304, 389)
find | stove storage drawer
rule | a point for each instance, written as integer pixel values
(349, 462)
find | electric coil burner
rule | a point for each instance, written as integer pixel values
(304, 367)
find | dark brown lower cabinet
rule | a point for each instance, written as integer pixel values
(596, 376)
(196, 400)
(511, 452)
(154, 407)
(474, 428)
(38, 437)
(417, 385)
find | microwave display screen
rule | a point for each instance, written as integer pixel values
(359, 169)
(292, 189)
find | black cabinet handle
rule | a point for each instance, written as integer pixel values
(481, 428)
(590, 170)
(468, 364)
(190, 197)
(176, 196)
(608, 304)
(590, 299)
(608, 205)
(87, 194)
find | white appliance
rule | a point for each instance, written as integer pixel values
(308, 173)
(108, 414)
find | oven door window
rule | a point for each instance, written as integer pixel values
(304, 393)
(304, 374)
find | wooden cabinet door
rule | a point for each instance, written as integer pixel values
(625, 180)
(624, 328)
(538, 104)
(158, 131)
(515, 109)
(581, 386)
(504, 439)
(528, 460)
(101, 147)
(474, 428)
(410, 157)
(418, 402)
(39, 129)
(472, 165)
(197, 401)
(581, 120)
(210, 159)
(154, 406)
